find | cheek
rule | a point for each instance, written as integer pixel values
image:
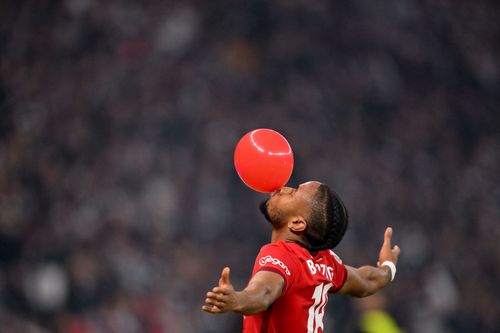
(280, 207)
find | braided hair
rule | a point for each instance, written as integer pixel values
(328, 221)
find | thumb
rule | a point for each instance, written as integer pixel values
(224, 277)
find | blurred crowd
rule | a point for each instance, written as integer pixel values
(119, 203)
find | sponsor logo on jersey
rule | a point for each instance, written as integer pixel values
(268, 259)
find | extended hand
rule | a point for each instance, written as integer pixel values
(223, 297)
(386, 252)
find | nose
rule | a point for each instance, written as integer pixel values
(286, 190)
(283, 190)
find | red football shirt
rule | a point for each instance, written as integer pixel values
(308, 280)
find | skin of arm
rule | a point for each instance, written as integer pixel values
(367, 280)
(262, 290)
(265, 287)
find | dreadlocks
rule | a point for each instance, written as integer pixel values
(328, 220)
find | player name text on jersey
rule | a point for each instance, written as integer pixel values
(322, 269)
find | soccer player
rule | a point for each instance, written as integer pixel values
(293, 274)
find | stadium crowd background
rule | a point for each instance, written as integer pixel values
(119, 203)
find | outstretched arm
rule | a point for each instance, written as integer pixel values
(262, 290)
(367, 280)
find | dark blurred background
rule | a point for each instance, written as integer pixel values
(119, 203)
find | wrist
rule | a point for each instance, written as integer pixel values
(392, 268)
(238, 301)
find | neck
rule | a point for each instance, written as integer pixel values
(285, 234)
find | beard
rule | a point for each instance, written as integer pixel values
(264, 211)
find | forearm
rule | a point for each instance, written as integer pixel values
(254, 299)
(367, 280)
(262, 290)
(375, 279)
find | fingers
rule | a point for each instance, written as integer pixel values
(217, 296)
(211, 309)
(214, 300)
(217, 299)
(387, 237)
(387, 252)
(224, 278)
(396, 250)
(221, 290)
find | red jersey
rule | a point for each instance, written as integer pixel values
(308, 280)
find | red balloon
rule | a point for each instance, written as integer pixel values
(264, 160)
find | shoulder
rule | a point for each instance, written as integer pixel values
(335, 257)
(277, 254)
(281, 247)
(279, 244)
(334, 260)
(339, 271)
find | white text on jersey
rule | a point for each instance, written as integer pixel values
(322, 269)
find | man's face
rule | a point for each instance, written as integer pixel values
(291, 202)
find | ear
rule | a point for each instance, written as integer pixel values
(297, 224)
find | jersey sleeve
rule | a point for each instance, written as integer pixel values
(275, 258)
(340, 272)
